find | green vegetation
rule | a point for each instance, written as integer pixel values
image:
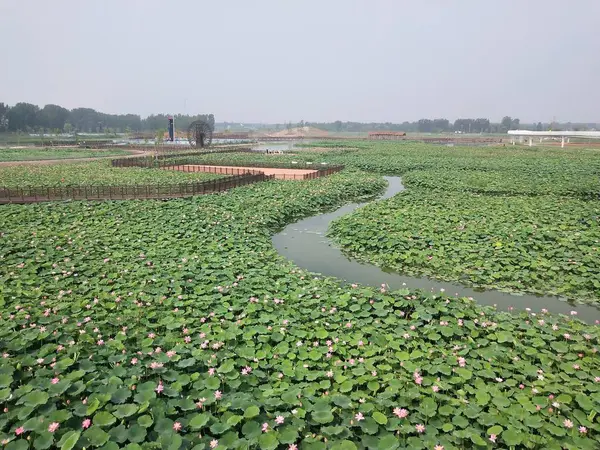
(34, 154)
(544, 244)
(175, 324)
(93, 173)
(512, 219)
(574, 181)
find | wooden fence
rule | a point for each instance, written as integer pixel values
(243, 174)
(318, 171)
(34, 194)
(159, 160)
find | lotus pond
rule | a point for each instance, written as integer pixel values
(175, 324)
(544, 244)
(97, 173)
(34, 154)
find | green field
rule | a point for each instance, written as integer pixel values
(35, 154)
(519, 220)
(9, 138)
(175, 324)
(96, 173)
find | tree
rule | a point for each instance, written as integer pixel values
(160, 136)
(338, 125)
(515, 124)
(538, 127)
(481, 125)
(464, 125)
(3, 117)
(68, 128)
(53, 116)
(425, 126)
(22, 116)
(441, 125)
(84, 119)
(506, 123)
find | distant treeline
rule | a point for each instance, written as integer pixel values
(480, 125)
(27, 117)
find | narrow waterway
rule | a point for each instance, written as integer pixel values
(305, 243)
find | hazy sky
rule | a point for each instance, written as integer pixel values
(312, 60)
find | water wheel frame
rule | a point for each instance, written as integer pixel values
(200, 134)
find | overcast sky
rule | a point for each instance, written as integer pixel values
(312, 60)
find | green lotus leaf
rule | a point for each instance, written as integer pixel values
(96, 436)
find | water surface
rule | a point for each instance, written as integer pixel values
(305, 243)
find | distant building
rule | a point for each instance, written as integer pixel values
(387, 135)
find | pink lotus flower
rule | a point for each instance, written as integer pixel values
(19, 431)
(359, 417)
(53, 427)
(420, 428)
(438, 447)
(293, 447)
(211, 371)
(279, 420)
(567, 423)
(218, 395)
(214, 443)
(86, 424)
(54, 380)
(435, 388)
(187, 339)
(159, 388)
(583, 430)
(171, 353)
(134, 361)
(493, 438)
(177, 426)
(401, 413)
(265, 427)
(330, 374)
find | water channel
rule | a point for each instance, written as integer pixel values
(305, 244)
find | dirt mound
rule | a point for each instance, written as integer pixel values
(299, 132)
